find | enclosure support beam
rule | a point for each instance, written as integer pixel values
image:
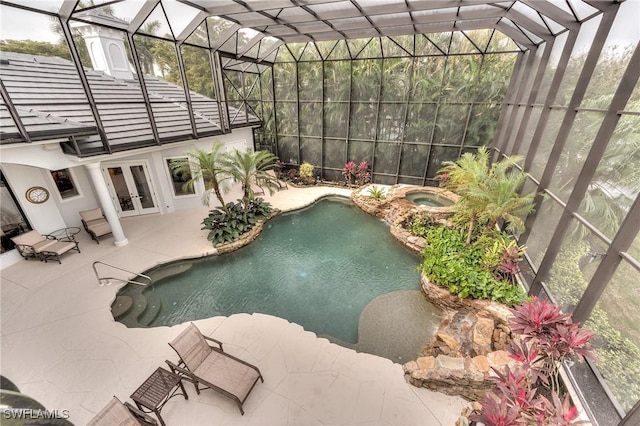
(375, 130)
(75, 56)
(499, 138)
(404, 120)
(185, 87)
(631, 224)
(143, 88)
(563, 134)
(14, 113)
(542, 65)
(543, 119)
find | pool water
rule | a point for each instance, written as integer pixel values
(318, 267)
(428, 199)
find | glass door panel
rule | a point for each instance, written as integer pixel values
(119, 185)
(145, 196)
(131, 189)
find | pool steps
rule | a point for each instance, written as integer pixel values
(144, 309)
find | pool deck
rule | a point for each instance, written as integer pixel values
(61, 346)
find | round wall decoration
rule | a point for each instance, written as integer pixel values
(37, 194)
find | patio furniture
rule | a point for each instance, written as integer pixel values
(43, 247)
(274, 181)
(95, 223)
(256, 187)
(65, 234)
(118, 413)
(159, 388)
(210, 366)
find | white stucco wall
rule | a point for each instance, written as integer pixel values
(27, 165)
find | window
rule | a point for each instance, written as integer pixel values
(11, 217)
(179, 176)
(63, 180)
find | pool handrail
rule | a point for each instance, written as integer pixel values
(100, 280)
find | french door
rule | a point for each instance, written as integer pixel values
(131, 188)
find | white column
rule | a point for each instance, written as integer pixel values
(107, 206)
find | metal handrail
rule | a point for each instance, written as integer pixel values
(114, 278)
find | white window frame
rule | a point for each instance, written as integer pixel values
(74, 180)
(197, 189)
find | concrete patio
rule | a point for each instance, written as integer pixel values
(61, 346)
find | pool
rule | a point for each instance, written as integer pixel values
(318, 267)
(429, 199)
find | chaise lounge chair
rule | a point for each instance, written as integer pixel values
(118, 413)
(275, 181)
(256, 188)
(272, 181)
(95, 223)
(201, 363)
(43, 247)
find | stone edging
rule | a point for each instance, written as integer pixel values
(459, 360)
(449, 369)
(247, 237)
(250, 236)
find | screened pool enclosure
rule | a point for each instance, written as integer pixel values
(402, 84)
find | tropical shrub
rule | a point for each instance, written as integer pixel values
(229, 223)
(305, 174)
(247, 167)
(547, 338)
(419, 223)
(503, 255)
(377, 193)
(306, 170)
(349, 172)
(488, 192)
(362, 175)
(617, 354)
(209, 166)
(450, 263)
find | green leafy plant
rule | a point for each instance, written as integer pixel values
(502, 257)
(231, 222)
(617, 353)
(450, 263)
(305, 174)
(377, 193)
(247, 167)
(306, 170)
(419, 223)
(488, 192)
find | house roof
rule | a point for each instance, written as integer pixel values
(51, 102)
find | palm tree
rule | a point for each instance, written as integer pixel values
(248, 166)
(210, 166)
(502, 200)
(487, 193)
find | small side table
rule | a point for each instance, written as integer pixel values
(159, 388)
(66, 234)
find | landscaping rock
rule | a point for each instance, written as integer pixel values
(481, 363)
(448, 340)
(482, 335)
(449, 362)
(499, 358)
(426, 362)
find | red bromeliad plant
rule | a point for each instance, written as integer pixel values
(362, 175)
(547, 337)
(349, 171)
